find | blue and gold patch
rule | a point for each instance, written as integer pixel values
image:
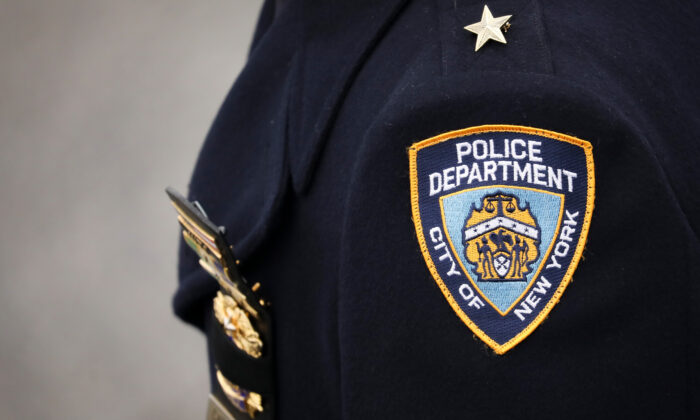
(502, 215)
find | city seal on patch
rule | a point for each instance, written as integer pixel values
(502, 214)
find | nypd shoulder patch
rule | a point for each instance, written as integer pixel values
(502, 215)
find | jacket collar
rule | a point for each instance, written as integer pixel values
(337, 37)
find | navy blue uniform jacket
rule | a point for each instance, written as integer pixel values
(306, 166)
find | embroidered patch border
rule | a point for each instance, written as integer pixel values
(499, 193)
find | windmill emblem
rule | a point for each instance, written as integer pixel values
(501, 239)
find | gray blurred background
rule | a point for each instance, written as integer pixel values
(103, 104)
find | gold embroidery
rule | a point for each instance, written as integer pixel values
(246, 401)
(237, 325)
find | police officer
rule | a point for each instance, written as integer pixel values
(368, 151)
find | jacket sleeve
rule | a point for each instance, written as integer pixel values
(634, 291)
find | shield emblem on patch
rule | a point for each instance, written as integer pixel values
(502, 214)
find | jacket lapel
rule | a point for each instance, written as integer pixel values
(337, 38)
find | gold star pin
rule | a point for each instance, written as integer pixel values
(488, 28)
